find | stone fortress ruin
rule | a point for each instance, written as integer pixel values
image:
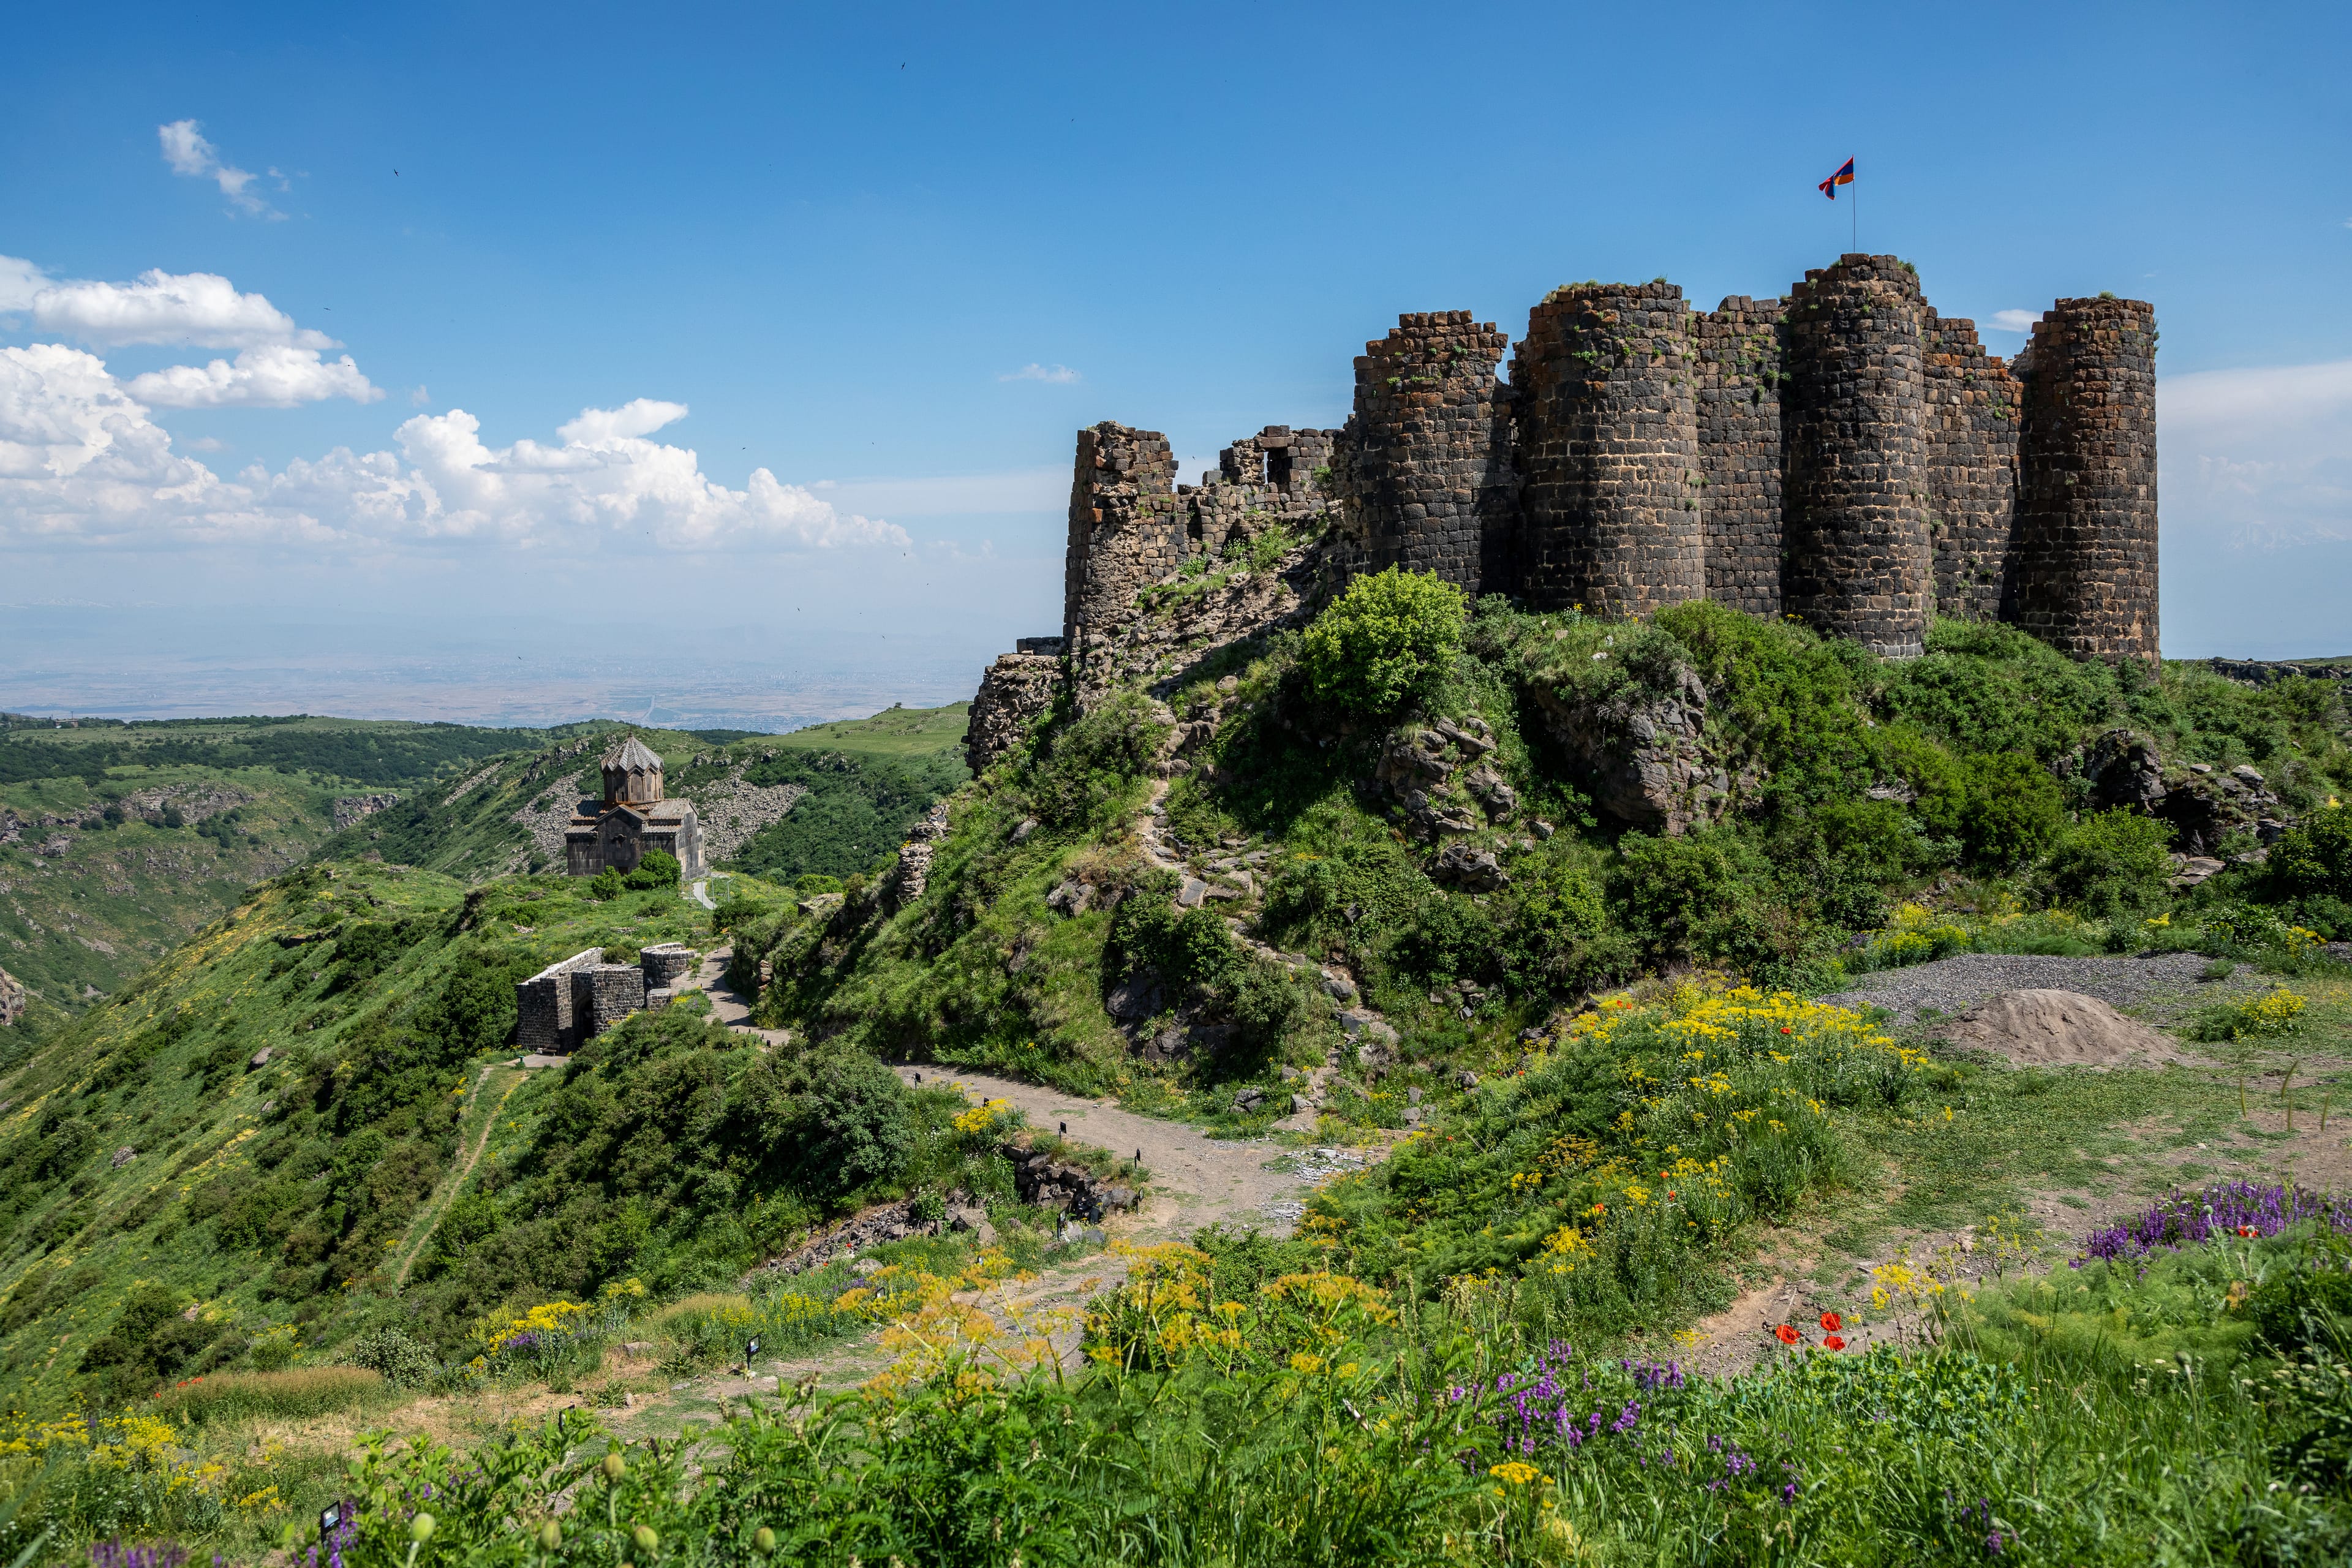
(632, 819)
(1846, 455)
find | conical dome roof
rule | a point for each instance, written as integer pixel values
(633, 754)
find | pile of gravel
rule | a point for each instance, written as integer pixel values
(1957, 984)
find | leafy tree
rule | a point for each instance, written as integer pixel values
(1384, 640)
(606, 885)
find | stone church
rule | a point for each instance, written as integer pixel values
(632, 819)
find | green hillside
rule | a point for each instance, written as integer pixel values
(119, 839)
(1530, 913)
(836, 799)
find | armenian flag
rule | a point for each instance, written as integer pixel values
(1844, 176)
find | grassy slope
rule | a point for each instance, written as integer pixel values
(191, 1110)
(903, 732)
(479, 823)
(119, 898)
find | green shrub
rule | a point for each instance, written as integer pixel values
(393, 1356)
(1384, 640)
(2314, 858)
(2013, 811)
(657, 871)
(606, 885)
(2114, 864)
(1090, 767)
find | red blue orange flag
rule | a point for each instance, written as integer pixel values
(1844, 176)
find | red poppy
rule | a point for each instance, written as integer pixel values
(2247, 1230)
(1833, 1344)
(1831, 1321)
(1786, 1334)
(1786, 1030)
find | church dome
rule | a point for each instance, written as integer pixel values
(633, 775)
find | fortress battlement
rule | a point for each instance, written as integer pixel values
(1845, 455)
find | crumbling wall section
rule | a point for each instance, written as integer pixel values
(1013, 692)
(1427, 471)
(1860, 562)
(1973, 411)
(2084, 561)
(1740, 369)
(544, 1020)
(1607, 451)
(1124, 532)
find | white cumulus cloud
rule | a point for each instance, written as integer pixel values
(189, 154)
(1059, 374)
(279, 377)
(20, 281)
(2260, 456)
(202, 309)
(2015, 320)
(80, 462)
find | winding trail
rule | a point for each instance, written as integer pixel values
(420, 1232)
(1194, 1179)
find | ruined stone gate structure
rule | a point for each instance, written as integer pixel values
(1845, 455)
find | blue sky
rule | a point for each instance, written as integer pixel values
(776, 323)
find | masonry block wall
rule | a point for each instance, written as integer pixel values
(544, 1023)
(1427, 452)
(1974, 408)
(1607, 451)
(1739, 375)
(2084, 560)
(1860, 563)
(1123, 532)
(604, 993)
(1845, 455)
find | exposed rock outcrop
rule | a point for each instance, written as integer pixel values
(1048, 1183)
(1645, 758)
(354, 809)
(12, 998)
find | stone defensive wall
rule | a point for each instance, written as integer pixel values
(573, 1000)
(1845, 455)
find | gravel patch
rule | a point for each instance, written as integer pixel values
(1957, 984)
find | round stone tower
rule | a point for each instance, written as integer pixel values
(633, 775)
(1428, 467)
(2083, 577)
(1861, 561)
(1606, 388)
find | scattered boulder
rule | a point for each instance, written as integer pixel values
(1247, 1100)
(1474, 870)
(973, 1218)
(124, 1156)
(12, 998)
(2058, 1028)
(259, 1060)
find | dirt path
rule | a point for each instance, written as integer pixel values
(727, 1006)
(411, 1246)
(1195, 1180)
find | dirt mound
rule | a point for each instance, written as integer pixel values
(2058, 1028)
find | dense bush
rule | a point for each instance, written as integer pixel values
(2111, 865)
(1384, 640)
(659, 870)
(2014, 811)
